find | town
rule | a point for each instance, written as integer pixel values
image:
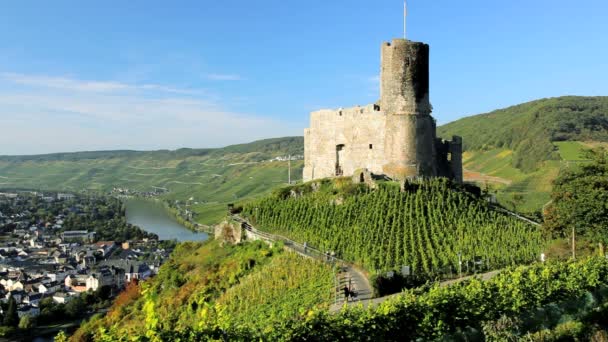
(68, 254)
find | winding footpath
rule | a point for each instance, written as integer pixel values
(348, 276)
(373, 302)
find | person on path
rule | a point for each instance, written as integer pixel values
(346, 293)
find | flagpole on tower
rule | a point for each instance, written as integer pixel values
(405, 19)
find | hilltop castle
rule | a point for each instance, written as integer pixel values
(395, 137)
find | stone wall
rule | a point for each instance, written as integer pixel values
(358, 130)
(396, 137)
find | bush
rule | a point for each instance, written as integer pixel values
(26, 322)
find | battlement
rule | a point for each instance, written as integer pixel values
(347, 113)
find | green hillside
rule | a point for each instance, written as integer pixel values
(211, 177)
(530, 129)
(553, 301)
(249, 284)
(426, 226)
(520, 150)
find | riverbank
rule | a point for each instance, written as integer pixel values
(182, 217)
(156, 216)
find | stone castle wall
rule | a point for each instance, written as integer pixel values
(360, 132)
(396, 137)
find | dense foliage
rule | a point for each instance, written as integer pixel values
(580, 201)
(250, 282)
(425, 226)
(553, 300)
(530, 128)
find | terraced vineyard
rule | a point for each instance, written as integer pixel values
(211, 178)
(425, 227)
(280, 291)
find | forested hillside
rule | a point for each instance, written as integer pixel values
(530, 129)
(426, 226)
(519, 151)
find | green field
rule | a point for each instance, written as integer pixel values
(211, 179)
(571, 150)
(533, 187)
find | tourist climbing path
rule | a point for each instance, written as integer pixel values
(376, 301)
(348, 275)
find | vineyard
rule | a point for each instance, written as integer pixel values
(249, 284)
(425, 227)
(556, 301)
(282, 290)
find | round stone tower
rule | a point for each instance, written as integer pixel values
(409, 144)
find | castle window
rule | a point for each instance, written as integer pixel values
(340, 112)
(371, 146)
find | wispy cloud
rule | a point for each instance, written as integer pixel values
(51, 114)
(224, 77)
(65, 83)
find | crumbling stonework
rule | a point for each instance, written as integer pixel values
(364, 176)
(229, 232)
(395, 137)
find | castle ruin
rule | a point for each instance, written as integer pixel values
(395, 137)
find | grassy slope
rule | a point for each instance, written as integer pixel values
(239, 281)
(212, 177)
(519, 146)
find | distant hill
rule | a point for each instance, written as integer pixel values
(520, 150)
(212, 177)
(530, 129)
(266, 148)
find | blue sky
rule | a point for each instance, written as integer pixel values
(93, 75)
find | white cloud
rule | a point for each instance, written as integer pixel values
(65, 83)
(62, 114)
(224, 77)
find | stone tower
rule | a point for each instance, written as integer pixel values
(409, 144)
(395, 137)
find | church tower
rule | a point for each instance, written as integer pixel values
(409, 143)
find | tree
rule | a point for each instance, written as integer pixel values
(11, 317)
(579, 201)
(75, 307)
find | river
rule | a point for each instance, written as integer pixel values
(153, 217)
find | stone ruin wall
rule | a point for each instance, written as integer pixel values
(356, 128)
(400, 129)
